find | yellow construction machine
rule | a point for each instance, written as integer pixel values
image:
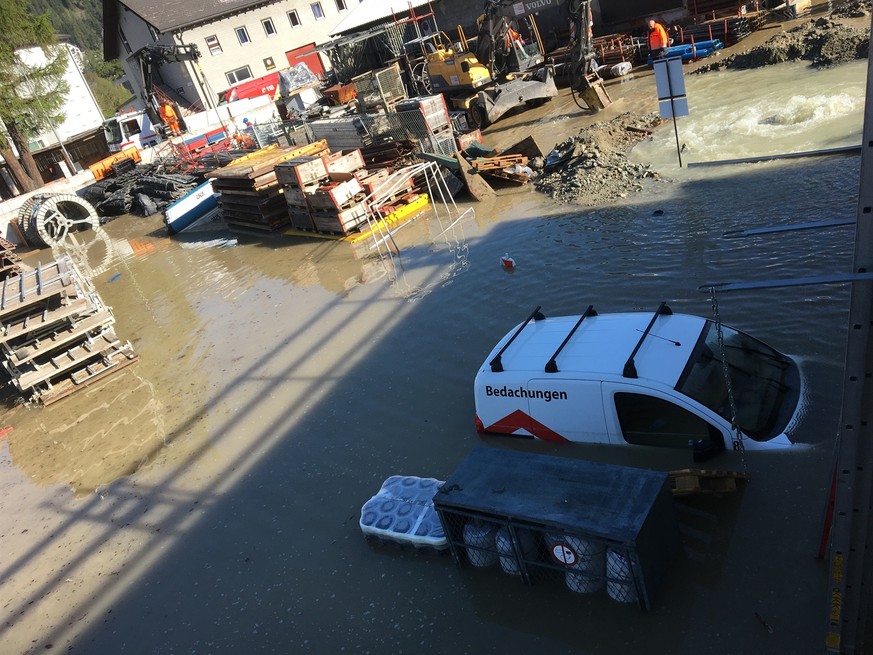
(502, 68)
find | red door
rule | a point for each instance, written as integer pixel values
(312, 61)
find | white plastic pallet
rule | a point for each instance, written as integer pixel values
(402, 511)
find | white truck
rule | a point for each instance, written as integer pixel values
(133, 128)
(637, 378)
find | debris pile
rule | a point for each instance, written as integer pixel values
(592, 167)
(142, 191)
(852, 9)
(822, 42)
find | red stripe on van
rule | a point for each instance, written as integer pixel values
(518, 420)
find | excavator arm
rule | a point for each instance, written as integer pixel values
(584, 79)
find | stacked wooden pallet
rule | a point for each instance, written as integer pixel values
(250, 196)
(56, 335)
(710, 9)
(701, 481)
(501, 167)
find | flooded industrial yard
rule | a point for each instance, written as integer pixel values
(207, 498)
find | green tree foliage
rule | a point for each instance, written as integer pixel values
(110, 70)
(80, 21)
(109, 95)
(31, 97)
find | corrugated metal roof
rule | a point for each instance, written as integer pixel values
(169, 15)
(373, 11)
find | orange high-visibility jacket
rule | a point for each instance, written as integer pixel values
(168, 115)
(658, 38)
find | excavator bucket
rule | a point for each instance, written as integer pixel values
(594, 94)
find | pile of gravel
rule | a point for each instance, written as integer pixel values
(822, 42)
(592, 167)
(852, 9)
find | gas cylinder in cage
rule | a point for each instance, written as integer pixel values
(620, 578)
(585, 557)
(508, 561)
(480, 537)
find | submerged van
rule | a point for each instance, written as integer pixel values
(637, 378)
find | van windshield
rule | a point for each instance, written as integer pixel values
(112, 131)
(766, 383)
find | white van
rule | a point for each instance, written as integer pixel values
(636, 378)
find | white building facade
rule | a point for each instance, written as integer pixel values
(238, 41)
(80, 109)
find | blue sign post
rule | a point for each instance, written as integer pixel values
(670, 84)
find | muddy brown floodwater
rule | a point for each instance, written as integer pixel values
(206, 499)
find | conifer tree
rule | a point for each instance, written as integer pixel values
(31, 97)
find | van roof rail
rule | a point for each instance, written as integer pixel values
(497, 362)
(630, 369)
(552, 365)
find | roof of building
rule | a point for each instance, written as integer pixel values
(169, 15)
(369, 12)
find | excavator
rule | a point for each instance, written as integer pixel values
(505, 68)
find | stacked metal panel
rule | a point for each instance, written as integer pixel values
(323, 193)
(56, 334)
(10, 263)
(727, 30)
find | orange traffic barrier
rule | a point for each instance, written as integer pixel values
(101, 168)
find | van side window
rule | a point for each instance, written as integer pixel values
(132, 127)
(649, 421)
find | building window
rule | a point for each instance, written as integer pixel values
(125, 42)
(317, 11)
(293, 18)
(341, 5)
(243, 35)
(238, 75)
(269, 64)
(269, 28)
(213, 45)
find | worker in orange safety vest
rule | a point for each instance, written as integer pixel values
(658, 40)
(168, 116)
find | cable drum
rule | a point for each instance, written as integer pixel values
(27, 217)
(69, 223)
(59, 216)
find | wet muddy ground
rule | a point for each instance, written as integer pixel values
(206, 499)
